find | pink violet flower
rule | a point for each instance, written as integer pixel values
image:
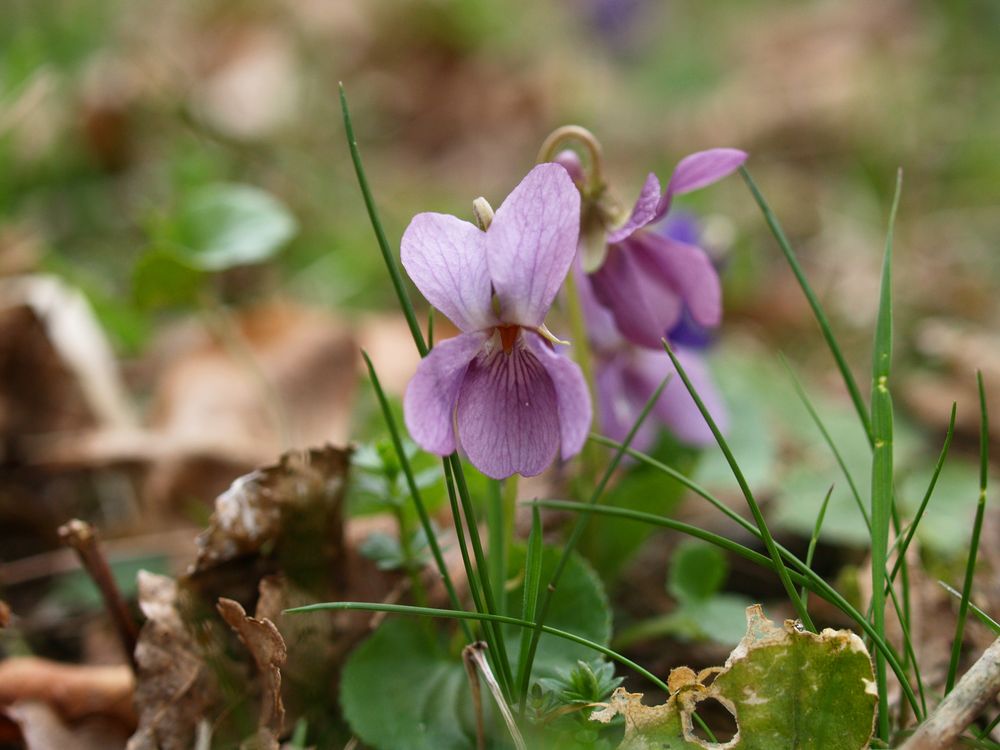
(499, 389)
(648, 278)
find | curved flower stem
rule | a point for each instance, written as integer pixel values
(561, 136)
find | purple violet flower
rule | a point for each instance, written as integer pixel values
(499, 388)
(648, 278)
(627, 375)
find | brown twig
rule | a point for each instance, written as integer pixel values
(469, 660)
(474, 657)
(82, 537)
(976, 689)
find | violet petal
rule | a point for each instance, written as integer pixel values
(572, 397)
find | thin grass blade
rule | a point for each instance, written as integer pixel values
(814, 539)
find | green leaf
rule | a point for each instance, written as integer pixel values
(787, 688)
(225, 225)
(401, 690)
(162, 278)
(697, 571)
(579, 605)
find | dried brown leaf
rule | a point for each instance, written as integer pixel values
(175, 688)
(267, 647)
(43, 729)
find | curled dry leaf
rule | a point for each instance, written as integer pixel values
(785, 687)
(175, 688)
(303, 491)
(267, 647)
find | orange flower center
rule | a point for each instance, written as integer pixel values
(508, 335)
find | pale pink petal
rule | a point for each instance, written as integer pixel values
(429, 402)
(531, 243)
(675, 408)
(700, 170)
(685, 269)
(644, 305)
(643, 212)
(446, 258)
(572, 397)
(508, 413)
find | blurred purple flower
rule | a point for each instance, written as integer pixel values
(648, 278)
(627, 375)
(499, 388)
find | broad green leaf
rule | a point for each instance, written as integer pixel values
(225, 225)
(402, 689)
(579, 606)
(786, 688)
(697, 571)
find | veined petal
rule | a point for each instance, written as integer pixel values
(643, 212)
(429, 402)
(676, 409)
(508, 413)
(572, 398)
(531, 243)
(619, 408)
(446, 258)
(700, 170)
(644, 305)
(684, 268)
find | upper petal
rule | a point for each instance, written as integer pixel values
(572, 397)
(684, 268)
(446, 258)
(508, 413)
(531, 243)
(644, 305)
(429, 402)
(699, 170)
(643, 212)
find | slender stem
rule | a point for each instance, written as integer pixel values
(557, 138)
(410, 564)
(814, 539)
(509, 516)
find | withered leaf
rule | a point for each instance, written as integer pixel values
(785, 687)
(301, 494)
(267, 647)
(174, 688)
(43, 729)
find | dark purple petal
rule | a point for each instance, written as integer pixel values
(531, 244)
(446, 258)
(675, 408)
(686, 270)
(618, 408)
(429, 402)
(508, 413)
(645, 305)
(643, 212)
(700, 170)
(602, 333)
(575, 414)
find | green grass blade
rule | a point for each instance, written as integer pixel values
(882, 460)
(977, 526)
(824, 323)
(388, 255)
(532, 582)
(403, 609)
(814, 539)
(984, 618)
(411, 483)
(577, 532)
(817, 420)
(765, 533)
(904, 545)
(497, 545)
